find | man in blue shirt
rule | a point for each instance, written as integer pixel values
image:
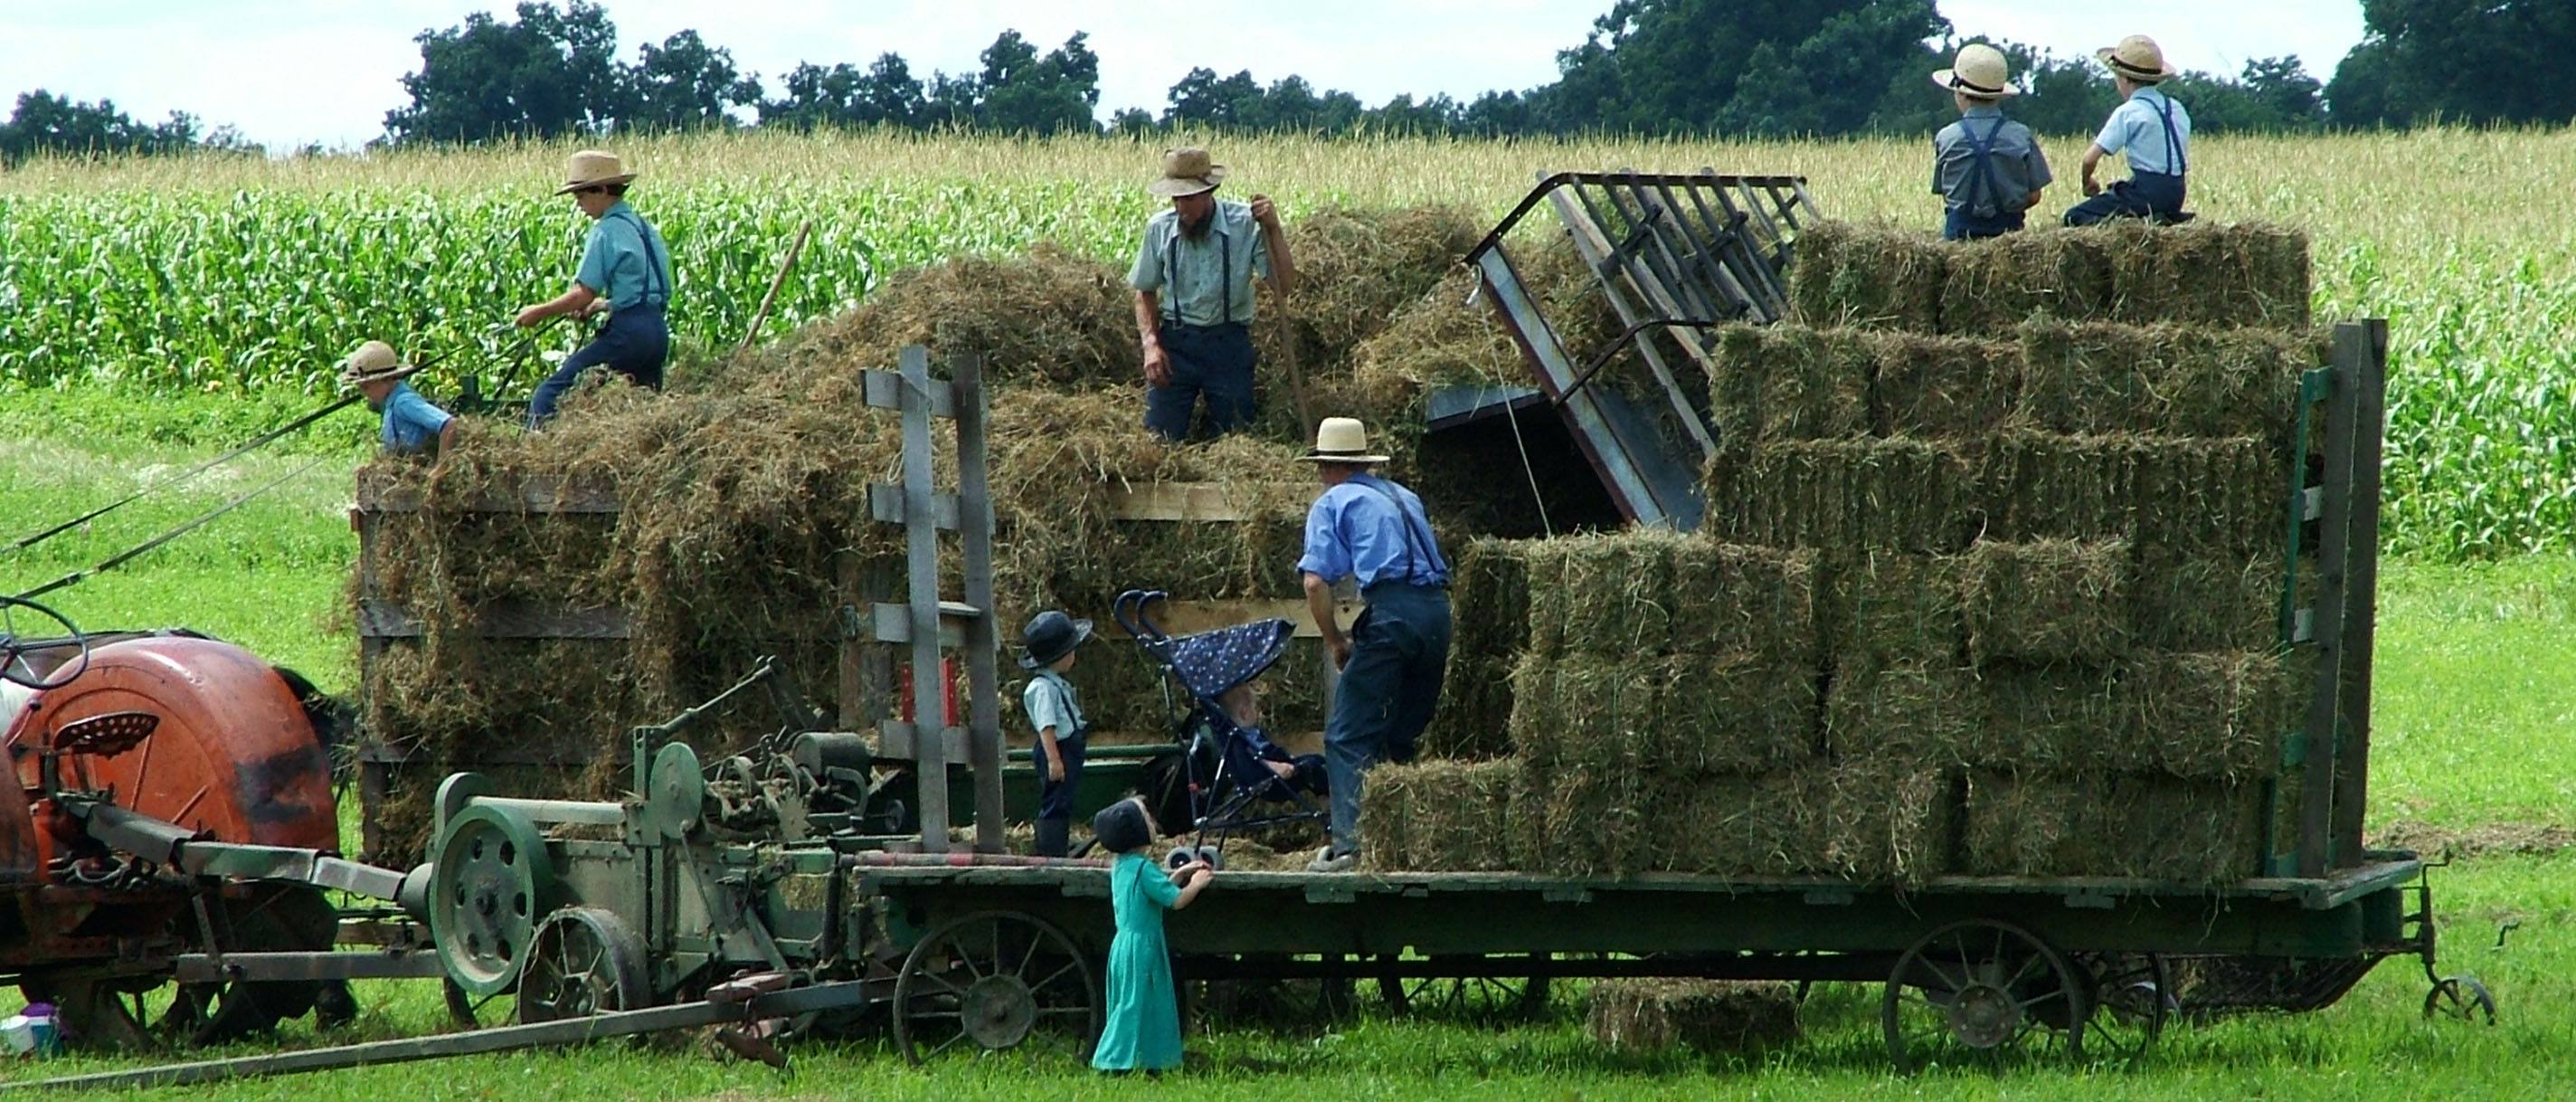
(412, 426)
(1193, 280)
(626, 270)
(1367, 528)
(2151, 128)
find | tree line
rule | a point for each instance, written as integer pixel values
(1769, 68)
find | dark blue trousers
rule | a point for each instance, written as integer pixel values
(1399, 654)
(1960, 225)
(2143, 195)
(1215, 361)
(1055, 798)
(635, 343)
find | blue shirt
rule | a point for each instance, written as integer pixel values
(1049, 702)
(411, 422)
(1354, 531)
(2137, 127)
(624, 260)
(1208, 281)
(2014, 166)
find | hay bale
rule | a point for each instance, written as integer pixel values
(1689, 716)
(2197, 604)
(2164, 380)
(2222, 497)
(1735, 599)
(1584, 822)
(1474, 720)
(1892, 494)
(1992, 285)
(1437, 816)
(2216, 714)
(2094, 824)
(1609, 593)
(1489, 597)
(1943, 387)
(1888, 606)
(1735, 826)
(2206, 273)
(2046, 600)
(1709, 1016)
(1874, 277)
(1908, 711)
(2062, 718)
(1787, 382)
(1887, 819)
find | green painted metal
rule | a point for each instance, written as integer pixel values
(493, 882)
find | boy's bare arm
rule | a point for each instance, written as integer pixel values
(2093, 160)
(1054, 757)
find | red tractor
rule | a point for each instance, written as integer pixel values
(173, 803)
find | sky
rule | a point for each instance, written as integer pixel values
(292, 72)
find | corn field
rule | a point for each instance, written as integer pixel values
(222, 274)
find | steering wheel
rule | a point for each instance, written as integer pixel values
(14, 645)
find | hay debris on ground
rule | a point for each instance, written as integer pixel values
(1774, 383)
(1997, 283)
(1943, 387)
(2163, 380)
(2047, 600)
(1709, 1016)
(2094, 824)
(1437, 816)
(1894, 494)
(1869, 277)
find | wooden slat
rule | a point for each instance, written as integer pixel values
(983, 639)
(2325, 704)
(919, 400)
(1202, 501)
(895, 740)
(885, 506)
(515, 620)
(2362, 350)
(892, 623)
(534, 495)
(884, 390)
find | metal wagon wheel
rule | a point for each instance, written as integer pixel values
(584, 961)
(2130, 998)
(996, 980)
(1982, 989)
(2461, 998)
(1506, 997)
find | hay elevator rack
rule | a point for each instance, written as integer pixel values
(1675, 255)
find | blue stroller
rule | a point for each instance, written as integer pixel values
(1225, 776)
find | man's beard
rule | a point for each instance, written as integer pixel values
(1198, 231)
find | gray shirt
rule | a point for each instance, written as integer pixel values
(2015, 169)
(1202, 278)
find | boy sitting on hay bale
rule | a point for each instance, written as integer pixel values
(1987, 168)
(2151, 128)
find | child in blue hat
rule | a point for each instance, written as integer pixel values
(1055, 714)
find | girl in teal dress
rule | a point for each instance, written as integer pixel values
(1144, 1026)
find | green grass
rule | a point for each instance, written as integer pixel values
(2472, 692)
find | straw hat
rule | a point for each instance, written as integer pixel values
(1341, 440)
(374, 362)
(1187, 171)
(2138, 58)
(592, 168)
(1980, 73)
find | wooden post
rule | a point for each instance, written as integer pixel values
(2361, 359)
(983, 636)
(921, 552)
(2325, 704)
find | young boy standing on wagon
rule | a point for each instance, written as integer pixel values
(1055, 714)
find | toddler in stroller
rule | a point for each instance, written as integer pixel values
(1225, 776)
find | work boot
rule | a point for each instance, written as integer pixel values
(1328, 861)
(1052, 836)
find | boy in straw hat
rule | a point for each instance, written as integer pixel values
(1193, 279)
(2151, 128)
(1367, 528)
(412, 426)
(625, 269)
(1987, 168)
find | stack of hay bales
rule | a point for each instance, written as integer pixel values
(2018, 508)
(739, 496)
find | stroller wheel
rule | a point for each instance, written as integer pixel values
(1183, 855)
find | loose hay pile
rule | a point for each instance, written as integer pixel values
(1709, 1016)
(1991, 582)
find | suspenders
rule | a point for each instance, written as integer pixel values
(1225, 273)
(1981, 173)
(2173, 141)
(1417, 552)
(652, 260)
